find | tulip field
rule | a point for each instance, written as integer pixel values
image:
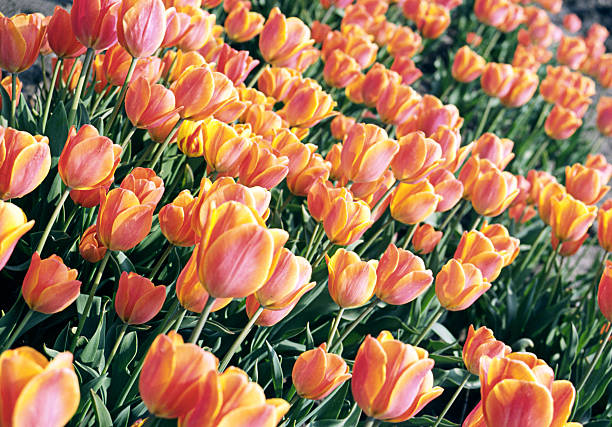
(302, 213)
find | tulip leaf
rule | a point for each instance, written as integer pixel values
(123, 418)
(93, 353)
(6, 104)
(103, 417)
(352, 420)
(276, 369)
(126, 353)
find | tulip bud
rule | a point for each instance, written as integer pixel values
(571, 218)
(321, 198)
(561, 123)
(449, 188)
(493, 192)
(376, 80)
(60, 35)
(425, 239)
(584, 184)
(467, 65)
(551, 191)
(601, 165)
(506, 246)
(316, 373)
(404, 376)
(95, 23)
(7, 85)
(491, 12)
(262, 168)
(604, 115)
(351, 281)
(405, 42)
(301, 181)
(346, 220)
(13, 225)
(479, 343)
(145, 184)
(397, 103)
(604, 293)
(340, 69)
(148, 106)
(199, 30)
(477, 249)
(459, 285)
(498, 150)
(141, 26)
(340, 126)
(497, 79)
(22, 37)
(307, 107)
(236, 65)
(412, 203)
(138, 300)
(417, 157)
(90, 247)
(523, 88)
(604, 225)
(175, 220)
(267, 317)
(571, 52)
(242, 25)
(49, 286)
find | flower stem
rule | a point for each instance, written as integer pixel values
(127, 139)
(161, 149)
(452, 400)
(195, 335)
(476, 222)
(13, 99)
(492, 43)
(245, 331)
(532, 250)
(54, 215)
(369, 309)
(372, 239)
(427, 328)
(124, 89)
(160, 261)
(256, 76)
(45, 117)
(90, 298)
(595, 360)
(79, 89)
(450, 216)
(314, 237)
(485, 116)
(382, 199)
(18, 330)
(179, 321)
(410, 235)
(326, 248)
(334, 327)
(371, 422)
(115, 348)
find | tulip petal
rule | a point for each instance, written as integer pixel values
(516, 403)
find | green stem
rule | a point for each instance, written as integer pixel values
(127, 139)
(195, 335)
(256, 76)
(372, 239)
(447, 91)
(450, 216)
(160, 262)
(313, 237)
(536, 157)
(371, 422)
(327, 14)
(124, 328)
(550, 260)
(452, 400)
(334, 327)
(485, 116)
(533, 249)
(476, 222)
(326, 248)
(492, 43)
(90, 298)
(13, 99)
(595, 360)
(369, 309)
(45, 117)
(245, 331)
(54, 215)
(410, 235)
(18, 330)
(79, 89)
(165, 144)
(427, 328)
(554, 290)
(70, 218)
(179, 321)
(43, 69)
(124, 89)
(382, 199)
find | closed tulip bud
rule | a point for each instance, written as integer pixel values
(175, 220)
(479, 343)
(145, 184)
(406, 68)
(367, 152)
(351, 281)
(493, 192)
(190, 138)
(604, 225)
(401, 276)
(604, 115)
(199, 30)
(478, 250)
(307, 107)
(459, 285)
(572, 22)
(321, 198)
(498, 150)
(346, 220)
(262, 168)
(504, 244)
(449, 188)
(90, 247)
(497, 79)
(571, 218)
(185, 368)
(340, 126)
(452, 153)
(467, 65)
(397, 103)
(425, 239)
(141, 26)
(22, 37)
(584, 183)
(138, 300)
(340, 69)
(13, 225)
(417, 157)
(60, 36)
(334, 156)
(376, 80)
(434, 20)
(25, 161)
(28, 380)
(551, 191)
(473, 39)
(148, 106)
(392, 381)
(94, 23)
(49, 286)
(123, 221)
(431, 116)
(413, 203)
(236, 65)
(405, 42)
(316, 373)
(224, 148)
(242, 25)
(491, 12)
(523, 88)
(571, 52)
(604, 293)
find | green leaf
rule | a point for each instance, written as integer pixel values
(103, 417)
(123, 418)
(277, 371)
(126, 353)
(93, 353)
(57, 129)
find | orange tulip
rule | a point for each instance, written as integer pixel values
(373, 192)
(123, 221)
(604, 225)
(571, 51)
(346, 220)
(319, 31)
(392, 381)
(321, 196)
(49, 286)
(90, 247)
(7, 85)
(301, 181)
(604, 115)
(316, 373)
(175, 220)
(137, 300)
(452, 153)
(307, 107)
(506, 246)
(353, 41)
(479, 343)
(376, 80)
(498, 150)
(493, 192)
(351, 281)
(433, 20)
(367, 152)
(405, 42)
(141, 26)
(459, 285)
(145, 184)
(425, 239)
(224, 148)
(334, 156)
(431, 116)
(417, 157)
(22, 37)
(585, 184)
(61, 38)
(13, 225)
(182, 61)
(267, 317)
(25, 161)
(604, 292)
(231, 399)
(278, 83)
(190, 138)
(601, 165)
(571, 218)
(397, 103)
(176, 25)
(567, 248)
(236, 65)
(449, 188)
(94, 23)
(406, 68)
(523, 88)
(262, 168)
(340, 69)
(401, 276)
(262, 121)
(473, 39)
(561, 123)
(90, 198)
(242, 25)
(551, 191)
(32, 388)
(148, 106)
(412, 203)
(173, 374)
(491, 12)
(467, 65)
(198, 31)
(497, 79)
(478, 249)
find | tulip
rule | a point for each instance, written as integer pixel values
(497, 79)
(405, 42)
(604, 115)
(141, 26)
(406, 68)
(376, 80)
(145, 184)
(467, 65)
(459, 285)
(551, 191)
(490, 12)
(190, 138)
(277, 83)
(367, 152)
(7, 85)
(425, 239)
(262, 121)
(307, 107)
(340, 69)
(224, 149)
(473, 39)
(262, 168)
(479, 343)
(571, 52)
(353, 41)
(242, 25)
(604, 225)
(148, 106)
(90, 246)
(431, 116)
(571, 218)
(346, 220)
(301, 181)
(267, 317)
(316, 373)
(392, 381)
(498, 150)
(137, 300)
(453, 155)
(401, 276)
(321, 197)
(601, 165)
(13, 225)
(25, 161)
(236, 65)
(198, 31)
(477, 249)
(94, 23)
(417, 157)
(175, 220)
(584, 184)
(182, 61)
(506, 246)
(22, 37)
(176, 25)
(493, 192)
(231, 399)
(604, 293)
(185, 367)
(61, 38)
(340, 126)
(433, 20)
(351, 281)
(88, 159)
(412, 203)
(523, 88)
(123, 221)
(449, 188)
(34, 388)
(561, 123)
(397, 103)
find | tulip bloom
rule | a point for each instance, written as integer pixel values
(141, 26)
(198, 31)
(300, 181)
(495, 149)
(340, 126)
(88, 159)
(351, 281)
(90, 247)
(34, 389)
(190, 138)
(340, 69)
(523, 88)
(25, 161)
(316, 373)
(412, 203)
(604, 293)
(392, 381)
(242, 25)
(506, 246)
(185, 367)
(449, 188)
(321, 198)
(60, 36)
(604, 115)
(13, 225)
(406, 68)
(459, 285)
(376, 80)
(425, 239)
(561, 123)
(137, 300)
(491, 12)
(467, 65)
(479, 343)
(346, 220)
(493, 192)
(123, 221)
(224, 148)
(401, 276)
(497, 79)
(585, 184)
(94, 23)
(307, 107)
(175, 220)
(7, 85)
(477, 249)
(236, 65)
(22, 37)
(417, 157)
(262, 168)
(404, 42)
(571, 51)
(145, 184)
(397, 103)
(149, 106)
(571, 218)
(604, 225)
(601, 165)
